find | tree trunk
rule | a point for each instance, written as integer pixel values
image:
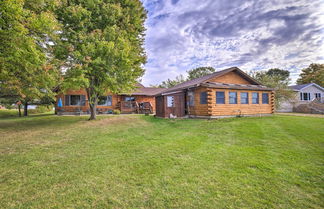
(92, 100)
(93, 111)
(19, 110)
(26, 109)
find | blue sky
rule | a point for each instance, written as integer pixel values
(252, 35)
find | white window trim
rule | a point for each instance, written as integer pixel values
(170, 103)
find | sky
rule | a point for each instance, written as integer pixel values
(252, 35)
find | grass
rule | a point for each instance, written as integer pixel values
(132, 161)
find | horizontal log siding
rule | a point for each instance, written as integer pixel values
(198, 109)
(236, 109)
(232, 78)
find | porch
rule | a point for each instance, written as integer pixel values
(135, 107)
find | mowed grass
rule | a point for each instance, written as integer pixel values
(133, 161)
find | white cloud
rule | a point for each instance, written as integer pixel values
(185, 34)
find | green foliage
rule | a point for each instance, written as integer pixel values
(145, 162)
(116, 112)
(42, 109)
(192, 74)
(277, 79)
(101, 45)
(27, 72)
(170, 83)
(314, 73)
(276, 72)
(199, 72)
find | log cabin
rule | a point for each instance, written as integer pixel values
(75, 102)
(226, 93)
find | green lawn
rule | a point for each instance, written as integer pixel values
(132, 161)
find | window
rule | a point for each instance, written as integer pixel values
(317, 95)
(255, 98)
(75, 100)
(244, 98)
(220, 97)
(129, 99)
(105, 100)
(265, 98)
(232, 97)
(191, 98)
(170, 101)
(203, 97)
(305, 96)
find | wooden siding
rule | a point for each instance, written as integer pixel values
(85, 108)
(197, 108)
(162, 109)
(140, 99)
(213, 109)
(231, 77)
(239, 109)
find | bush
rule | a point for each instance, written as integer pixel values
(117, 112)
(41, 109)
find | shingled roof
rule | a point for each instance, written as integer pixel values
(204, 79)
(301, 86)
(235, 86)
(147, 91)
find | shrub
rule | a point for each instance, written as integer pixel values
(41, 109)
(117, 112)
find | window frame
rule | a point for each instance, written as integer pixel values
(132, 99)
(107, 102)
(229, 97)
(218, 102)
(247, 97)
(172, 103)
(263, 102)
(257, 98)
(191, 99)
(70, 100)
(203, 100)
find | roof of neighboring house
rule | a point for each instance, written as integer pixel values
(204, 79)
(147, 91)
(301, 86)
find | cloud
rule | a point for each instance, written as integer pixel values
(253, 35)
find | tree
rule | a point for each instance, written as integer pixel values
(278, 80)
(276, 72)
(102, 46)
(26, 72)
(314, 73)
(199, 72)
(170, 83)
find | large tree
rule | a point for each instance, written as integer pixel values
(277, 79)
(314, 73)
(102, 46)
(199, 72)
(26, 30)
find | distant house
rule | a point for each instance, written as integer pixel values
(305, 94)
(229, 92)
(141, 100)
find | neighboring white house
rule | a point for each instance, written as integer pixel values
(305, 93)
